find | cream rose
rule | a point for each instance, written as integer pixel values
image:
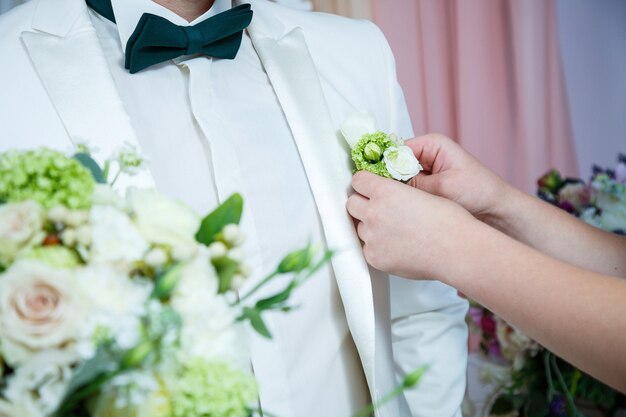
(39, 385)
(401, 163)
(164, 221)
(21, 226)
(40, 308)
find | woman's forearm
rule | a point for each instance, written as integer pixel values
(559, 234)
(577, 314)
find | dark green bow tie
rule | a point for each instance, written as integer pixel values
(156, 39)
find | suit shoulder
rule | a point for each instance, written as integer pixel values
(319, 25)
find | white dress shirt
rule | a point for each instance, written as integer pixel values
(212, 127)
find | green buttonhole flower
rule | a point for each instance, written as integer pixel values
(367, 153)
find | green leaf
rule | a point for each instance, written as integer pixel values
(226, 269)
(502, 405)
(229, 212)
(278, 298)
(256, 321)
(296, 261)
(166, 282)
(88, 162)
(102, 362)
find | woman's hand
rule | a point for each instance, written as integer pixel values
(406, 231)
(453, 173)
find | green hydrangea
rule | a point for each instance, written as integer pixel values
(367, 154)
(211, 389)
(45, 176)
(55, 256)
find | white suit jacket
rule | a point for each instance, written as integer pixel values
(56, 89)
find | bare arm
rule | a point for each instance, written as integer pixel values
(578, 314)
(559, 234)
(457, 176)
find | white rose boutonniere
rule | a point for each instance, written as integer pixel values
(40, 308)
(162, 221)
(378, 152)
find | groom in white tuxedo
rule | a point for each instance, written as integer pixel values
(263, 122)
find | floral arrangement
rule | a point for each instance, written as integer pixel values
(539, 384)
(116, 305)
(601, 202)
(378, 152)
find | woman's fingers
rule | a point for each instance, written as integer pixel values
(357, 205)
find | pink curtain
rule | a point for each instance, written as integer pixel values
(487, 73)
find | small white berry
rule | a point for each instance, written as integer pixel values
(58, 214)
(83, 235)
(218, 249)
(76, 218)
(236, 254)
(237, 282)
(156, 257)
(233, 235)
(69, 237)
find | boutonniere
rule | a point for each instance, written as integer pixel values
(378, 152)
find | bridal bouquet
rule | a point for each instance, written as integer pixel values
(540, 384)
(123, 305)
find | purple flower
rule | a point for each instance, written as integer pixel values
(488, 324)
(567, 206)
(494, 350)
(558, 407)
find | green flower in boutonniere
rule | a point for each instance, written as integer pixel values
(378, 152)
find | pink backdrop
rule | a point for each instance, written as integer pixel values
(487, 73)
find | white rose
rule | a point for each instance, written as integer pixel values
(115, 302)
(209, 327)
(613, 215)
(401, 163)
(21, 226)
(164, 221)
(40, 308)
(114, 238)
(357, 125)
(39, 385)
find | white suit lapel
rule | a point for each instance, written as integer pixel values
(291, 70)
(66, 53)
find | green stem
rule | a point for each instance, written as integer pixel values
(546, 364)
(258, 286)
(116, 177)
(368, 410)
(563, 385)
(105, 171)
(574, 386)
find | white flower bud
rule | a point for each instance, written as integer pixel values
(237, 282)
(233, 235)
(76, 218)
(245, 270)
(83, 235)
(156, 257)
(236, 254)
(218, 249)
(58, 214)
(372, 152)
(69, 237)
